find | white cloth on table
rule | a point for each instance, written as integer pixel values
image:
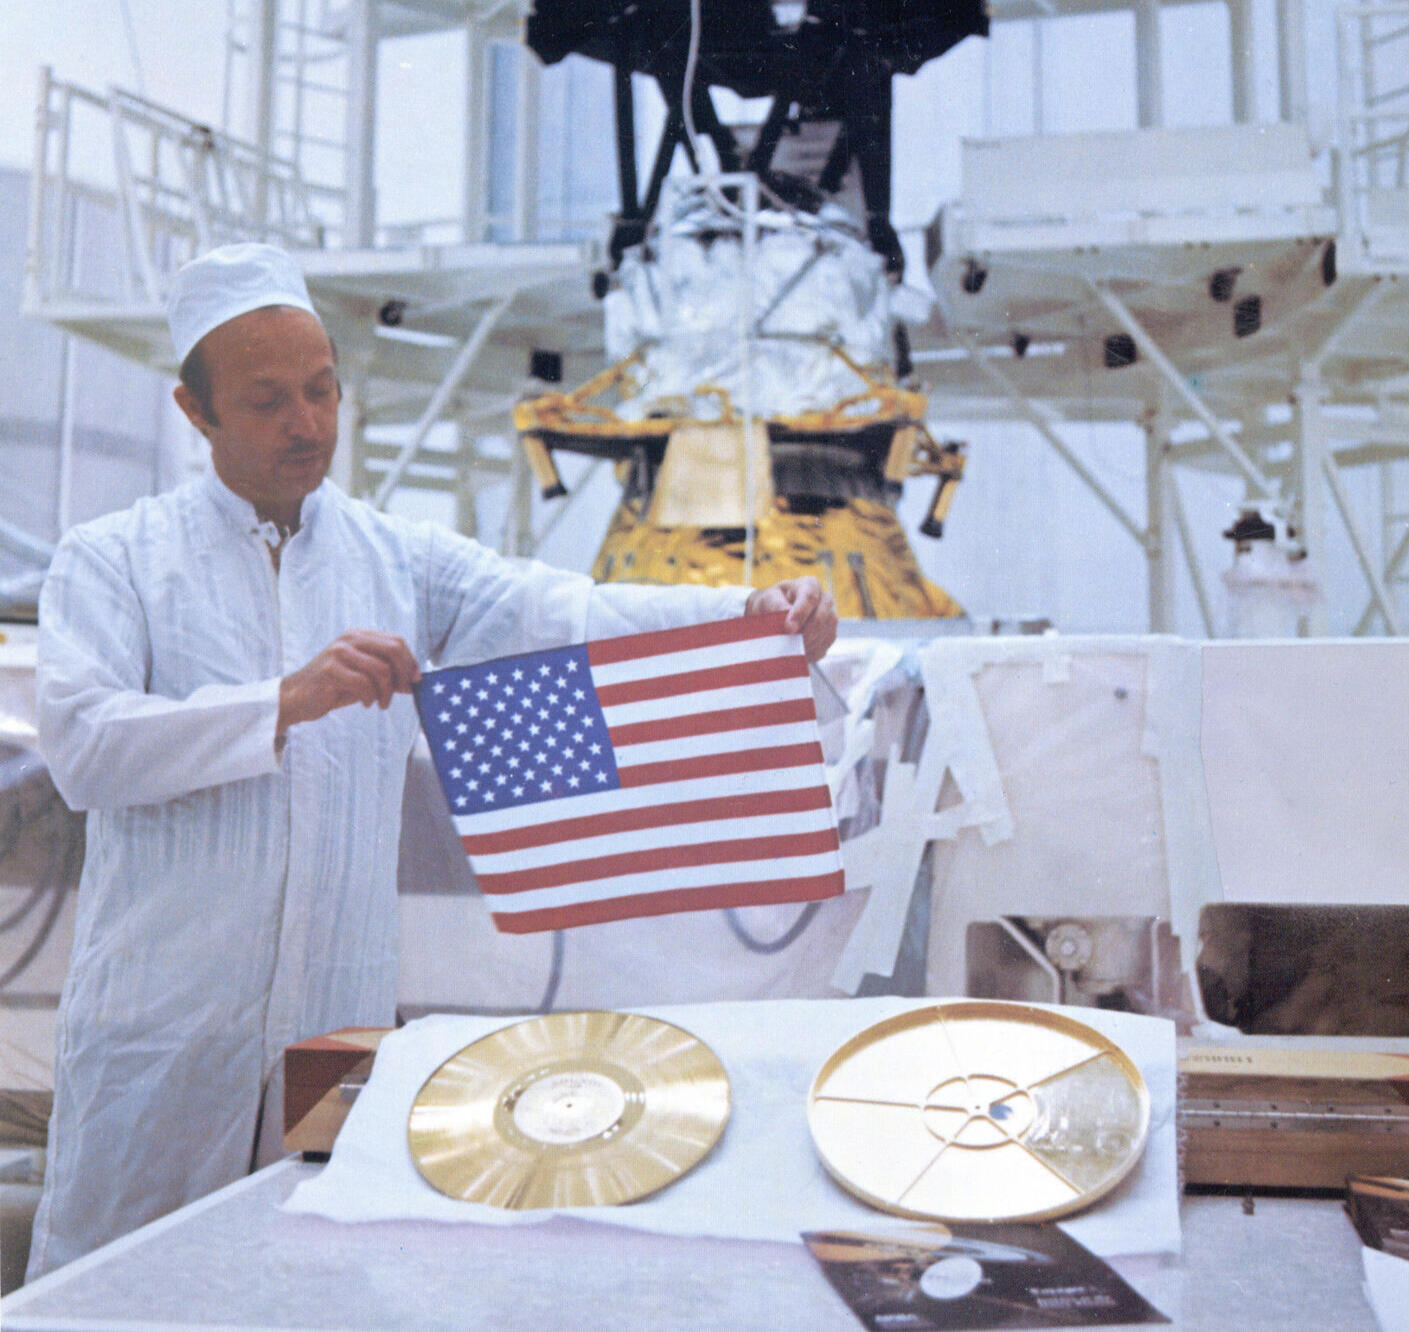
(763, 1180)
(1387, 1288)
(235, 899)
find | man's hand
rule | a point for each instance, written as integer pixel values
(811, 612)
(361, 666)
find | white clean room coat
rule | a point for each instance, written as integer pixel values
(235, 898)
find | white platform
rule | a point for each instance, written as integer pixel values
(235, 1260)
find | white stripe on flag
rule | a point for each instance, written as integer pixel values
(639, 797)
(696, 659)
(708, 700)
(653, 839)
(664, 881)
(725, 742)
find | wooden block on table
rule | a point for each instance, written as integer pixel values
(322, 1077)
(1260, 1117)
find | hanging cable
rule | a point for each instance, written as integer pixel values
(555, 974)
(692, 57)
(784, 940)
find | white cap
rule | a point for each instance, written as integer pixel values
(227, 282)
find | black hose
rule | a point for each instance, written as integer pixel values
(784, 940)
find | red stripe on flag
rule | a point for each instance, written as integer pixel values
(712, 723)
(605, 650)
(659, 859)
(683, 899)
(689, 682)
(653, 816)
(720, 765)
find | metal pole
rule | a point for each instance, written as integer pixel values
(466, 491)
(526, 149)
(1151, 350)
(1243, 59)
(1039, 82)
(1314, 358)
(517, 536)
(1309, 476)
(1026, 410)
(345, 471)
(266, 56)
(574, 500)
(361, 228)
(1362, 551)
(35, 286)
(1158, 481)
(444, 391)
(746, 330)
(66, 205)
(131, 207)
(1345, 161)
(1149, 83)
(476, 223)
(1392, 568)
(1191, 559)
(1291, 60)
(63, 499)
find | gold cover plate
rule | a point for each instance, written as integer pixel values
(979, 1111)
(569, 1110)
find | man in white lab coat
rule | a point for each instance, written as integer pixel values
(199, 657)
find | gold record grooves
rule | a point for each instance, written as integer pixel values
(569, 1110)
(979, 1111)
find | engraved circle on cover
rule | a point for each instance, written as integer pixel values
(569, 1110)
(979, 1110)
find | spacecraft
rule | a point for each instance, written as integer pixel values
(756, 405)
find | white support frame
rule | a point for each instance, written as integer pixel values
(1169, 372)
(361, 124)
(1034, 418)
(1378, 594)
(1191, 563)
(199, 185)
(441, 397)
(1160, 508)
(1372, 129)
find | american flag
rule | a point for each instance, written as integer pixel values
(678, 770)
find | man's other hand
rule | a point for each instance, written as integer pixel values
(361, 666)
(811, 612)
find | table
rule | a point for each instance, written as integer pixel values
(234, 1260)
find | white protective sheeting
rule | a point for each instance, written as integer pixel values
(1387, 1288)
(1306, 752)
(1054, 776)
(812, 283)
(233, 900)
(763, 1180)
(1052, 800)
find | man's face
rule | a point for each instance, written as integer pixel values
(274, 390)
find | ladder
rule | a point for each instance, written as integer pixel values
(303, 54)
(1372, 182)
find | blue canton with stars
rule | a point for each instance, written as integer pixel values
(517, 731)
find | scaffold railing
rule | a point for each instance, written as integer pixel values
(176, 187)
(1373, 166)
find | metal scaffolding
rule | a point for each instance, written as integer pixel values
(1232, 291)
